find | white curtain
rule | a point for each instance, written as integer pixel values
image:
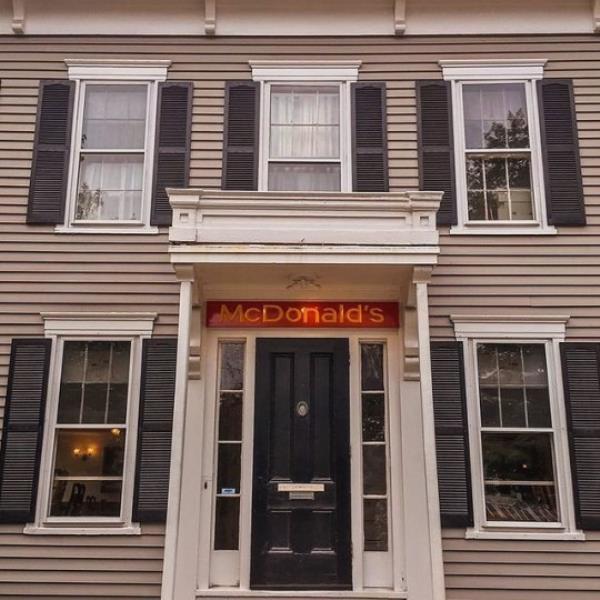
(304, 177)
(110, 187)
(114, 117)
(305, 122)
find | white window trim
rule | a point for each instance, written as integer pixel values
(342, 73)
(526, 71)
(61, 327)
(548, 330)
(118, 72)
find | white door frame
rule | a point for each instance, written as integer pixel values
(373, 569)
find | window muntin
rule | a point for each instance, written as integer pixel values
(112, 153)
(91, 430)
(497, 152)
(304, 148)
(374, 447)
(229, 445)
(517, 435)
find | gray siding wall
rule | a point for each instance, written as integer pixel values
(44, 271)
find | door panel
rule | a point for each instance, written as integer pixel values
(301, 540)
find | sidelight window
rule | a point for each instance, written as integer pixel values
(374, 447)
(229, 445)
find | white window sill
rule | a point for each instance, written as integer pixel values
(124, 230)
(82, 529)
(367, 593)
(545, 535)
(503, 229)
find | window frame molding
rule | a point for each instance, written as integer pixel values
(115, 72)
(524, 71)
(548, 330)
(341, 73)
(92, 326)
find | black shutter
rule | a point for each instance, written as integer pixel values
(581, 375)
(369, 137)
(436, 145)
(560, 149)
(451, 434)
(23, 429)
(241, 135)
(173, 139)
(157, 395)
(51, 151)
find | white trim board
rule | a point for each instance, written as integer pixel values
(500, 326)
(98, 323)
(465, 70)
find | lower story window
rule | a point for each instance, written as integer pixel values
(91, 430)
(517, 433)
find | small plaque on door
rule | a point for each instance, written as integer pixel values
(301, 487)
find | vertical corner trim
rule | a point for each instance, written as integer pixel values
(400, 16)
(210, 17)
(18, 19)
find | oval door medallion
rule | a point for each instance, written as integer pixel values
(302, 409)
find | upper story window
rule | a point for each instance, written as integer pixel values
(497, 146)
(113, 144)
(305, 129)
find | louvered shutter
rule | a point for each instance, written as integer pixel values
(451, 434)
(23, 429)
(436, 145)
(560, 149)
(241, 135)
(581, 376)
(157, 394)
(51, 152)
(369, 137)
(173, 139)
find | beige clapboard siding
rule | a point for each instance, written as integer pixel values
(45, 271)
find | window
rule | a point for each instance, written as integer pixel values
(498, 159)
(519, 449)
(374, 447)
(229, 445)
(88, 455)
(305, 131)
(517, 437)
(113, 145)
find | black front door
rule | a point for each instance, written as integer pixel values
(301, 533)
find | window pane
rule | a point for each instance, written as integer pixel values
(375, 524)
(371, 361)
(227, 521)
(232, 366)
(517, 456)
(229, 468)
(538, 407)
(499, 188)
(86, 498)
(305, 122)
(374, 469)
(110, 187)
(89, 453)
(94, 382)
(490, 407)
(495, 116)
(521, 503)
(373, 417)
(305, 177)
(114, 117)
(230, 416)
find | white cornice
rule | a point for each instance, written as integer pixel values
(302, 70)
(524, 68)
(98, 323)
(134, 69)
(524, 326)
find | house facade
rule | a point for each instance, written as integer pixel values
(300, 301)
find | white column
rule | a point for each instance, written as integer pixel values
(421, 278)
(171, 558)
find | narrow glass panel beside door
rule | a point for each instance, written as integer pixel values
(374, 447)
(229, 445)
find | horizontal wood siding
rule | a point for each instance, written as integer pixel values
(44, 271)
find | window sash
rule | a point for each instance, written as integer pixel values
(78, 151)
(48, 458)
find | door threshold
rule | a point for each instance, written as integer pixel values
(372, 594)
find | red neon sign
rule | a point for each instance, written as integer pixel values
(233, 314)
